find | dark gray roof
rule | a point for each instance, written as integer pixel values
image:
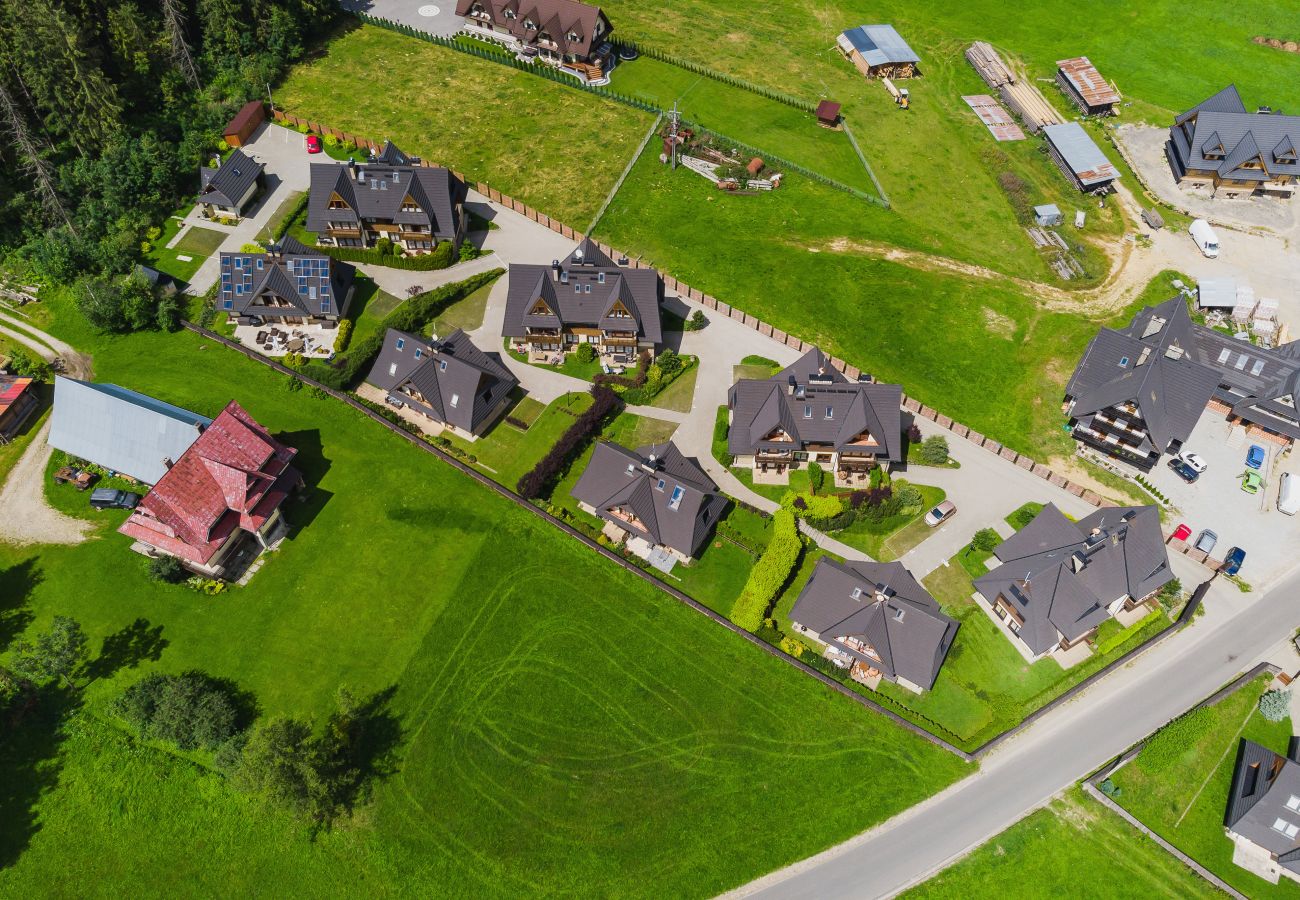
(1222, 128)
(885, 607)
(880, 44)
(1080, 153)
(1060, 576)
(1265, 792)
(289, 280)
(449, 380)
(374, 192)
(813, 403)
(227, 184)
(390, 155)
(669, 497)
(558, 18)
(586, 289)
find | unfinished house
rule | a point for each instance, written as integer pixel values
(875, 620)
(810, 412)
(879, 51)
(228, 188)
(564, 33)
(393, 196)
(1263, 815)
(1059, 580)
(1083, 84)
(1220, 148)
(657, 500)
(1080, 159)
(583, 299)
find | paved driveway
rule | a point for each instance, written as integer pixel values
(432, 16)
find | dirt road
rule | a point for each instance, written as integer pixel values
(25, 516)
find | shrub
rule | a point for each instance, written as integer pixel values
(760, 361)
(985, 540)
(720, 427)
(384, 247)
(1110, 789)
(586, 353)
(934, 450)
(343, 336)
(167, 569)
(770, 573)
(190, 710)
(914, 433)
(1170, 595)
(145, 246)
(468, 251)
(222, 145)
(153, 233)
(909, 498)
(1024, 515)
(1275, 705)
(1166, 747)
(669, 363)
(816, 477)
(28, 365)
(538, 480)
(251, 248)
(697, 321)
(331, 141)
(440, 258)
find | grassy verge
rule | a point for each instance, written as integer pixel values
(506, 452)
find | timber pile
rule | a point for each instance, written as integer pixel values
(1024, 99)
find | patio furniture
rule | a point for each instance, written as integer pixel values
(295, 345)
(261, 337)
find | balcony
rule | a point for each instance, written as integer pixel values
(348, 231)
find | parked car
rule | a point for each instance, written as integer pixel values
(1183, 470)
(1251, 482)
(1288, 498)
(1206, 240)
(1182, 532)
(313, 143)
(1194, 461)
(941, 513)
(1205, 543)
(1232, 562)
(1255, 456)
(111, 498)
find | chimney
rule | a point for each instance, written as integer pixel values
(555, 270)
(167, 462)
(791, 386)
(361, 173)
(352, 168)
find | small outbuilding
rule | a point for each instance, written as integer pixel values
(755, 166)
(1048, 215)
(1080, 159)
(245, 122)
(879, 51)
(828, 114)
(227, 189)
(1219, 292)
(1154, 220)
(1085, 87)
(17, 403)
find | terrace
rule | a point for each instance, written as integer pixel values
(309, 339)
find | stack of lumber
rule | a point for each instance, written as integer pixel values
(1023, 98)
(988, 64)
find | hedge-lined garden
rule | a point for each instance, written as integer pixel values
(770, 573)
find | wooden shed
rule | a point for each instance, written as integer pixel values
(879, 51)
(755, 166)
(828, 113)
(241, 127)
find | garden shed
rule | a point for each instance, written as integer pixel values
(1047, 215)
(879, 51)
(239, 129)
(828, 113)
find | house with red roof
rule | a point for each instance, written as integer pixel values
(223, 492)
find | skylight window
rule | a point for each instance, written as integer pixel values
(1282, 826)
(1257, 367)
(1123, 361)
(856, 593)
(455, 398)
(830, 412)
(600, 276)
(419, 354)
(401, 342)
(1293, 804)
(1223, 355)
(442, 365)
(675, 500)
(1241, 362)
(898, 614)
(660, 485)
(392, 369)
(807, 411)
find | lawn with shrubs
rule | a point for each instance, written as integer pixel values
(518, 694)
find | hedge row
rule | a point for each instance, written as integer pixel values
(538, 480)
(701, 69)
(299, 212)
(770, 573)
(441, 257)
(348, 368)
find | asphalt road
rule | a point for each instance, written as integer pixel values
(1058, 750)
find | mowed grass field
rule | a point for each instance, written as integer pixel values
(555, 148)
(561, 727)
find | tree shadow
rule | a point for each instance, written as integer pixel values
(29, 767)
(16, 585)
(127, 648)
(312, 462)
(376, 750)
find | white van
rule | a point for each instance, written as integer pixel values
(1288, 498)
(1205, 238)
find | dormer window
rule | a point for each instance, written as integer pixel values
(573, 36)
(510, 13)
(528, 23)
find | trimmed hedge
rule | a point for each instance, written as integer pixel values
(440, 258)
(538, 480)
(299, 211)
(770, 573)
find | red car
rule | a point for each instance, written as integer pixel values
(313, 143)
(1182, 533)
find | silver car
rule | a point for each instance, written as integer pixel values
(1205, 543)
(941, 513)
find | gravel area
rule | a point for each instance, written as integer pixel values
(25, 517)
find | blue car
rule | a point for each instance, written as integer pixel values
(1255, 456)
(1232, 562)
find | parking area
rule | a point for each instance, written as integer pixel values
(1216, 500)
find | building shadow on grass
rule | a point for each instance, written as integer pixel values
(125, 649)
(312, 462)
(29, 766)
(16, 585)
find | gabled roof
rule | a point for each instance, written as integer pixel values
(880, 45)
(1263, 797)
(668, 497)
(883, 606)
(287, 280)
(235, 475)
(1226, 101)
(389, 155)
(227, 184)
(1080, 153)
(119, 429)
(813, 403)
(455, 381)
(374, 192)
(558, 18)
(1222, 126)
(1085, 79)
(1061, 576)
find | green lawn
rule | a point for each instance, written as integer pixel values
(1165, 797)
(507, 452)
(466, 314)
(560, 727)
(492, 123)
(883, 539)
(200, 241)
(282, 212)
(165, 260)
(722, 568)
(1074, 847)
(680, 395)
(368, 307)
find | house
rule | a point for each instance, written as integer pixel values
(240, 128)
(393, 196)
(1138, 392)
(121, 430)
(1060, 580)
(809, 412)
(560, 32)
(879, 51)
(17, 403)
(288, 284)
(229, 188)
(1080, 159)
(1263, 814)
(659, 500)
(1217, 145)
(876, 620)
(220, 503)
(1083, 84)
(585, 298)
(450, 382)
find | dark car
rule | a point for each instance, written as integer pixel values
(1183, 470)
(111, 498)
(1232, 562)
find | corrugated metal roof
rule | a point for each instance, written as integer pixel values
(1083, 156)
(1094, 89)
(880, 44)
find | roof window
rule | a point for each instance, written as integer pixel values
(675, 500)
(1123, 361)
(1293, 804)
(830, 412)
(455, 398)
(442, 365)
(856, 593)
(419, 354)
(401, 342)
(660, 485)
(807, 410)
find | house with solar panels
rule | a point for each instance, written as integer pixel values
(879, 51)
(289, 284)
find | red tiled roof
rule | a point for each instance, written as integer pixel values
(234, 475)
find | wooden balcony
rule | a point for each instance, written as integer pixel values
(343, 232)
(619, 341)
